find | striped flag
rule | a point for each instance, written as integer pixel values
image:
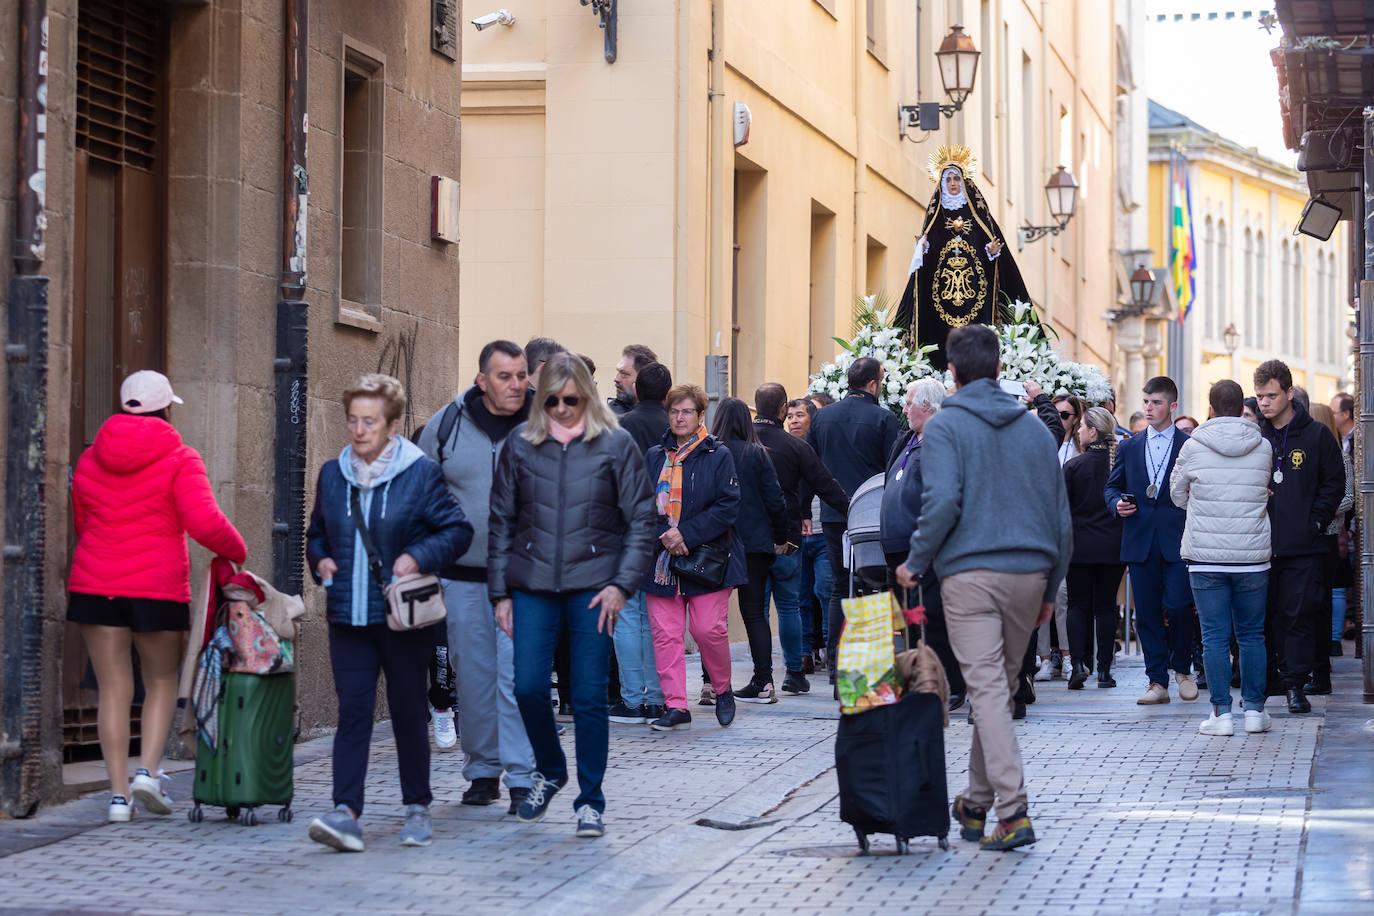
(1182, 251)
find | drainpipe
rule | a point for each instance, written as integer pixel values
(860, 271)
(26, 360)
(288, 495)
(1047, 143)
(717, 363)
(1366, 324)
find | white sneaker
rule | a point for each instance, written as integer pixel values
(445, 732)
(1046, 670)
(149, 791)
(1257, 720)
(1217, 725)
(120, 809)
(1066, 668)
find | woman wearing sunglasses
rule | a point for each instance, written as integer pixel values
(571, 539)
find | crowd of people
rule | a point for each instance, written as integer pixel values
(579, 542)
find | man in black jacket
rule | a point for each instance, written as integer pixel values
(1308, 484)
(647, 421)
(641, 697)
(632, 360)
(795, 462)
(853, 436)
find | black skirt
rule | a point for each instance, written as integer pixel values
(141, 615)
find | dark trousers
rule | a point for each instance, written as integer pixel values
(357, 655)
(1092, 608)
(539, 620)
(937, 635)
(443, 686)
(839, 586)
(753, 609)
(1294, 604)
(1161, 587)
(1321, 626)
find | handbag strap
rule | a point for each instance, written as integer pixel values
(374, 562)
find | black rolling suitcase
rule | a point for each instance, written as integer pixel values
(890, 762)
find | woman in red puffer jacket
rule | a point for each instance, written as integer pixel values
(136, 494)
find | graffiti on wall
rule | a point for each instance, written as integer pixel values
(397, 359)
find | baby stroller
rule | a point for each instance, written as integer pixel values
(864, 551)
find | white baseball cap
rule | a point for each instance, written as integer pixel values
(146, 391)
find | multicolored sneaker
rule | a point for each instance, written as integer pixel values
(1011, 832)
(972, 821)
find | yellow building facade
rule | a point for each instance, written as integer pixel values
(610, 203)
(1285, 294)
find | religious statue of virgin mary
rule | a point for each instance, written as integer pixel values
(961, 270)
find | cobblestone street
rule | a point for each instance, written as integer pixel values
(1134, 810)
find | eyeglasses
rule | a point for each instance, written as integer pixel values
(569, 400)
(686, 412)
(1067, 414)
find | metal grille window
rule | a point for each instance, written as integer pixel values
(119, 53)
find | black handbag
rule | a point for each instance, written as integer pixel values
(705, 565)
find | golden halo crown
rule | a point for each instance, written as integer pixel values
(961, 157)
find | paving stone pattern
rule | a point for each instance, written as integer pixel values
(1135, 811)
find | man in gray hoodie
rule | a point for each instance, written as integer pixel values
(995, 522)
(466, 438)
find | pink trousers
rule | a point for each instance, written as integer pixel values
(705, 616)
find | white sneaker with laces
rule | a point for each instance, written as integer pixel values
(148, 790)
(1066, 668)
(1046, 670)
(1257, 720)
(120, 810)
(1220, 726)
(445, 733)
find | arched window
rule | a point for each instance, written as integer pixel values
(1298, 305)
(1251, 329)
(1285, 302)
(1222, 295)
(1261, 278)
(1209, 258)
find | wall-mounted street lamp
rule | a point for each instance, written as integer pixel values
(606, 11)
(1062, 192)
(1142, 288)
(958, 60)
(1231, 337)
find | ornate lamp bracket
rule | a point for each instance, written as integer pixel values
(606, 11)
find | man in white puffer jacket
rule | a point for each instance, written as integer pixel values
(1222, 479)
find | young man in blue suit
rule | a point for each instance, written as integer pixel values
(1152, 530)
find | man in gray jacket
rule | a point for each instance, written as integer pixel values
(466, 438)
(1221, 478)
(995, 522)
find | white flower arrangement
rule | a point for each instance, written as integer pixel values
(876, 338)
(1028, 354)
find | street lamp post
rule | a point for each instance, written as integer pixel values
(1231, 337)
(1142, 288)
(1062, 193)
(958, 60)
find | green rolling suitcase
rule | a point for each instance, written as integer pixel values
(253, 764)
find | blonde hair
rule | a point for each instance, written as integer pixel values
(559, 369)
(376, 385)
(1323, 415)
(1101, 420)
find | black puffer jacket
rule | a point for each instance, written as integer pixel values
(762, 520)
(569, 518)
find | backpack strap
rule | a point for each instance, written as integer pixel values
(374, 562)
(447, 423)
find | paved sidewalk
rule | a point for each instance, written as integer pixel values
(1135, 812)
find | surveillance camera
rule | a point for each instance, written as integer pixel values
(500, 17)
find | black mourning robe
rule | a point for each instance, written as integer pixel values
(957, 283)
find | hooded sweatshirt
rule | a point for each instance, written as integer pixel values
(136, 493)
(1222, 479)
(993, 495)
(1312, 485)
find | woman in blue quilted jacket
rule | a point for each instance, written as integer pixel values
(416, 526)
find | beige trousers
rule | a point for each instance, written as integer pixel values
(990, 616)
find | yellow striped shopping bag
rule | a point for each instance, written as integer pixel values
(867, 675)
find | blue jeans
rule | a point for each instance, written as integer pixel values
(1337, 613)
(1161, 587)
(815, 583)
(634, 651)
(783, 587)
(538, 620)
(1226, 601)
